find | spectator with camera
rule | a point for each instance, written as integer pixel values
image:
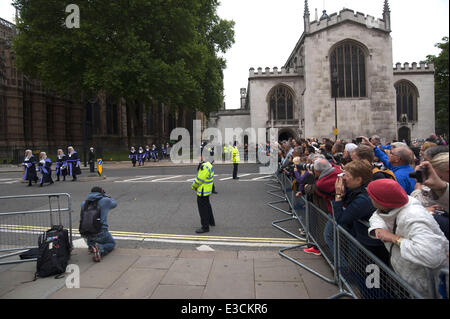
(364, 152)
(337, 151)
(398, 161)
(323, 192)
(432, 190)
(307, 177)
(431, 152)
(348, 150)
(411, 235)
(352, 205)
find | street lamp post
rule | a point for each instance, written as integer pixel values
(336, 85)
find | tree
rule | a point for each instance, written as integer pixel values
(145, 50)
(441, 86)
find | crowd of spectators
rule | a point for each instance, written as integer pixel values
(393, 197)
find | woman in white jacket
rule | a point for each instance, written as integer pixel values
(410, 233)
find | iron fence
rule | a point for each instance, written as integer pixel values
(356, 271)
(19, 229)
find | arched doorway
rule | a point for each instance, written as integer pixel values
(285, 135)
(404, 133)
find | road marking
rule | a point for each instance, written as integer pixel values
(243, 175)
(136, 179)
(171, 238)
(165, 178)
(262, 177)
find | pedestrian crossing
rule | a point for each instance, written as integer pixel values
(8, 180)
(249, 177)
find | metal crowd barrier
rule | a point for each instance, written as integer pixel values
(19, 229)
(351, 263)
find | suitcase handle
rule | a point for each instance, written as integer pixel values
(59, 209)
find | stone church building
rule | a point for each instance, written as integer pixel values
(342, 59)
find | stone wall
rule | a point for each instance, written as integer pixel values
(372, 114)
(423, 79)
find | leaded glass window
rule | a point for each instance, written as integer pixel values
(348, 60)
(406, 101)
(281, 104)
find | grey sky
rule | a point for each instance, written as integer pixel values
(267, 31)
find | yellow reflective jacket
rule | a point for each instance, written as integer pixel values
(203, 183)
(236, 157)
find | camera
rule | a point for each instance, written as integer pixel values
(419, 175)
(359, 140)
(304, 167)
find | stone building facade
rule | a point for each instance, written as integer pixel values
(37, 118)
(344, 60)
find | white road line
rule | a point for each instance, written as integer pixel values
(227, 178)
(81, 243)
(136, 179)
(5, 179)
(166, 178)
(262, 177)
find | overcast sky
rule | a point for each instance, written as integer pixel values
(266, 31)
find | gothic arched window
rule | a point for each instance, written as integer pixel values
(406, 101)
(348, 70)
(281, 104)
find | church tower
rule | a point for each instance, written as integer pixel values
(387, 15)
(306, 18)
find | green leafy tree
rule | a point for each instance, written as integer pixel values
(146, 50)
(441, 86)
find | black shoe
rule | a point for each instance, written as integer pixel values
(41, 185)
(202, 230)
(57, 179)
(51, 182)
(236, 178)
(215, 192)
(212, 224)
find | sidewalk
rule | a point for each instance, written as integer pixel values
(175, 274)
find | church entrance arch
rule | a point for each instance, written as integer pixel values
(285, 135)
(404, 133)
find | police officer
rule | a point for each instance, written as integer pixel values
(236, 160)
(203, 185)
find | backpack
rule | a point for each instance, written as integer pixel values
(387, 173)
(90, 219)
(54, 252)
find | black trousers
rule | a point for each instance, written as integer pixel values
(235, 170)
(205, 211)
(92, 166)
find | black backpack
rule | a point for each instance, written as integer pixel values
(90, 219)
(54, 252)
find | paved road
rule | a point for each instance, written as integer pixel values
(157, 204)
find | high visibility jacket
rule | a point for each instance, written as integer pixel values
(236, 157)
(203, 183)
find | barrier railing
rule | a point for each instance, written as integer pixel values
(350, 262)
(19, 229)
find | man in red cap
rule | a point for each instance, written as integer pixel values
(410, 234)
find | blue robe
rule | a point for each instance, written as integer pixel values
(61, 166)
(46, 171)
(30, 169)
(73, 164)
